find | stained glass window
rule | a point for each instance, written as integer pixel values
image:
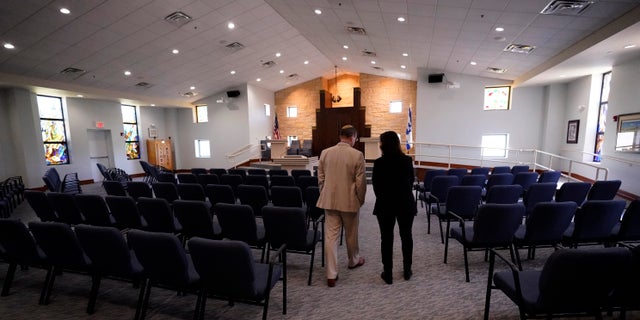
(497, 98)
(130, 133)
(53, 130)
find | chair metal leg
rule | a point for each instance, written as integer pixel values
(446, 243)
(487, 301)
(43, 293)
(8, 279)
(466, 264)
(428, 218)
(49, 285)
(143, 300)
(441, 233)
(93, 295)
(284, 282)
(313, 255)
(517, 257)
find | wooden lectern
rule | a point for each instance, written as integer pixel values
(371, 148)
(278, 148)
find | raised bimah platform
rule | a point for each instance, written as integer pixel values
(292, 162)
(278, 148)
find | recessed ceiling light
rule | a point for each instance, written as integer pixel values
(500, 39)
(175, 51)
(153, 104)
(344, 58)
(65, 11)
(373, 62)
(80, 96)
(281, 71)
(473, 63)
(192, 88)
(278, 54)
(232, 72)
(629, 46)
(401, 19)
(404, 54)
(317, 11)
(306, 62)
(231, 25)
(258, 79)
(403, 66)
(8, 45)
(499, 29)
(562, 76)
(127, 73)
(345, 46)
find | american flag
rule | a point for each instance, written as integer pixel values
(276, 131)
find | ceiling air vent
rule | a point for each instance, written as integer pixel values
(378, 68)
(144, 85)
(268, 64)
(178, 18)
(357, 30)
(519, 48)
(234, 46)
(293, 76)
(71, 70)
(566, 7)
(189, 94)
(368, 53)
(496, 70)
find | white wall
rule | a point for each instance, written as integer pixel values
(7, 152)
(261, 125)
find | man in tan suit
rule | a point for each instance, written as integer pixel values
(343, 184)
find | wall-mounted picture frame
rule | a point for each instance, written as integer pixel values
(572, 131)
(628, 133)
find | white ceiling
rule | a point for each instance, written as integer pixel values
(106, 37)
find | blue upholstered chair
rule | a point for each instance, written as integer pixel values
(95, 210)
(549, 176)
(196, 220)
(125, 211)
(504, 194)
(593, 222)
(282, 196)
(187, 178)
(573, 191)
(41, 206)
(437, 196)
(137, 189)
(238, 222)
(254, 196)
(159, 215)
(463, 201)
(19, 249)
(604, 190)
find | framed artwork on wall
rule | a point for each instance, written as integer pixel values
(572, 131)
(628, 133)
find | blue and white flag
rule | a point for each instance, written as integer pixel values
(408, 132)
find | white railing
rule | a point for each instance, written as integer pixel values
(244, 154)
(474, 156)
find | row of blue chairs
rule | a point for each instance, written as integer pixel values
(11, 195)
(210, 268)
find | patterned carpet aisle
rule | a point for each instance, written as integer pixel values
(436, 290)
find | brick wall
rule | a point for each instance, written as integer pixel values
(377, 92)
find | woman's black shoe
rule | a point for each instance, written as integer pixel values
(407, 274)
(386, 277)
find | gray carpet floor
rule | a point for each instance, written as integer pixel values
(436, 290)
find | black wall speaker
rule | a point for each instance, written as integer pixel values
(435, 78)
(233, 93)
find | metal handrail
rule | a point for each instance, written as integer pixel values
(244, 154)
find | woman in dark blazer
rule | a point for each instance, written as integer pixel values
(393, 179)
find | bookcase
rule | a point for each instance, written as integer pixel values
(160, 152)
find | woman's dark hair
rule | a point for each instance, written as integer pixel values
(390, 143)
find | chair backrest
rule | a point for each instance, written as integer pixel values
(539, 192)
(237, 222)
(499, 179)
(240, 172)
(282, 196)
(163, 257)
(548, 221)
(480, 170)
(501, 169)
(114, 188)
(191, 191)
(167, 177)
(278, 172)
(125, 211)
(187, 178)
(197, 171)
(52, 180)
(60, 244)
(596, 218)
(549, 176)
(581, 279)
(218, 171)
(630, 224)
(18, 244)
(137, 189)
(525, 179)
(311, 197)
(158, 214)
(257, 180)
(429, 175)
(604, 190)
(440, 186)
(195, 218)
(519, 168)
(458, 172)
(219, 193)
(573, 191)
(108, 251)
(295, 144)
(209, 178)
(473, 180)
(226, 267)
(504, 194)
(254, 196)
(257, 171)
(495, 224)
(278, 180)
(41, 206)
(285, 226)
(165, 190)
(296, 173)
(307, 181)
(66, 208)
(103, 171)
(464, 200)
(233, 180)
(94, 209)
